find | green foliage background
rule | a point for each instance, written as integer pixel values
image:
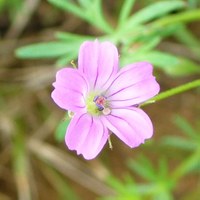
(161, 32)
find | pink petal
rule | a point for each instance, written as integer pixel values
(99, 62)
(87, 135)
(133, 85)
(131, 125)
(70, 89)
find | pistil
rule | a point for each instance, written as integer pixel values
(97, 104)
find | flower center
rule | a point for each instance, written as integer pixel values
(100, 102)
(97, 105)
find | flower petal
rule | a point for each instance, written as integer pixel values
(99, 62)
(70, 89)
(131, 125)
(87, 135)
(133, 85)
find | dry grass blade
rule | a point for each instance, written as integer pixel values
(22, 18)
(4, 197)
(70, 167)
(21, 168)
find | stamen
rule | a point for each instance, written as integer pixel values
(97, 105)
(95, 98)
(100, 108)
(70, 114)
(110, 143)
(106, 111)
(73, 64)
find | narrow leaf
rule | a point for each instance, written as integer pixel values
(66, 59)
(71, 37)
(186, 127)
(143, 167)
(153, 11)
(43, 50)
(70, 7)
(172, 65)
(97, 18)
(125, 11)
(185, 36)
(187, 166)
(61, 129)
(180, 143)
(184, 17)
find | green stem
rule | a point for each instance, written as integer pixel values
(174, 91)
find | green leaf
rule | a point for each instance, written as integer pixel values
(72, 38)
(85, 3)
(193, 4)
(92, 13)
(186, 127)
(159, 59)
(163, 168)
(162, 60)
(61, 129)
(67, 5)
(185, 67)
(2, 4)
(180, 143)
(44, 50)
(163, 195)
(147, 45)
(66, 59)
(59, 183)
(67, 49)
(125, 11)
(184, 17)
(126, 190)
(187, 166)
(159, 180)
(172, 65)
(153, 11)
(143, 167)
(97, 18)
(186, 37)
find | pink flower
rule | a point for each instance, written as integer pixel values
(104, 99)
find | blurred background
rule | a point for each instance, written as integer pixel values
(37, 37)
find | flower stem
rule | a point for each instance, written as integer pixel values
(174, 91)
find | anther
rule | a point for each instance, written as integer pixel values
(70, 114)
(106, 111)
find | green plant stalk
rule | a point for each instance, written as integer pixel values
(174, 91)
